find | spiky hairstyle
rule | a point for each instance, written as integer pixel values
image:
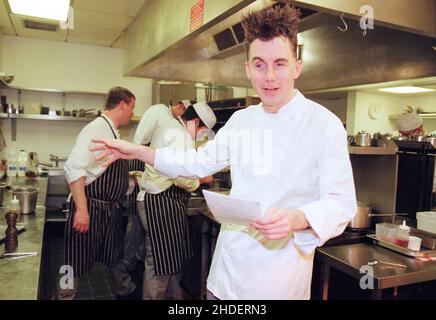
(271, 22)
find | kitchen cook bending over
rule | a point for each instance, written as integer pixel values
(93, 232)
(162, 206)
(288, 152)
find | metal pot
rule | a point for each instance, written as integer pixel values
(27, 198)
(363, 139)
(431, 139)
(419, 138)
(362, 218)
(381, 140)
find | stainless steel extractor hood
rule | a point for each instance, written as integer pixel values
(331, 58)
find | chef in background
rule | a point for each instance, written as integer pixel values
(93, 232)
(410, 124)
(154, 117)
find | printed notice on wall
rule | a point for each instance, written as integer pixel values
(197, 14)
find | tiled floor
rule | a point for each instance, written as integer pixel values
(96, 285)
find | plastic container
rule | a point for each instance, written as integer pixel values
(414, 243)
(28, 198)
(402, 239)
(427, 221)
(12, 163)
(22, 163)
(386, 231)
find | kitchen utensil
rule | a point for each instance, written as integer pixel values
(374, 262)
(27, 198)
(57, 159)
(2, 192)
(381, 139)
(362, 218)
(18, 255)
(414, 243)
(363, 139)
(386, 231)
(419, 138)
(45, 110)
(431, 139)
(91, 112)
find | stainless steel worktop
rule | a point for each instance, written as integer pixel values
(349, 259)
(19, 279)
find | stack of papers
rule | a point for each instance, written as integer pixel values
(228, 209)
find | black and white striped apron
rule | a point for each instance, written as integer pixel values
(134, 165)
(168, 227)
(103, 242)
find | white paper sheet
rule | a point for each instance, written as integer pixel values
(227, 209)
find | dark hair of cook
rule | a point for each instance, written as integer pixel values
(116, 95)
(276, 21)
(191, 114)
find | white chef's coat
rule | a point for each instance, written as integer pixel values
(172, 134)
(295, 158)
(81, 161)
(152, 119)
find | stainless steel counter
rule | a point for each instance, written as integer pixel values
(350, 259)
(19, 279)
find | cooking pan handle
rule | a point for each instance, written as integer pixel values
(388, 214)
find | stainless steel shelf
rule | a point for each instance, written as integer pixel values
(39, 117)
(54, 90)
(45, 117)
(429, 115)
(390, 149)
(372, 150)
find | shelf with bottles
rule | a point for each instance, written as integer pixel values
(44, 117)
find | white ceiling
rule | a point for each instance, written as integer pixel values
(96, 22)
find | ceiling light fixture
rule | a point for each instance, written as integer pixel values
(406, 89)
(45, 9)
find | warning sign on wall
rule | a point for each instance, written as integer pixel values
(197, 14)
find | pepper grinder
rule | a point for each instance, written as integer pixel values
(11, 241)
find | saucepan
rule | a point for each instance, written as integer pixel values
(431, 139)
(363, 139)
(362, 219)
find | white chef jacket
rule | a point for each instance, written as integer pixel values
(152, 119)
(298, 158)
(172, 134)
(81, 161)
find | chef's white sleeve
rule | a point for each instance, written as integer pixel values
(211, 158)
(336, 206)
